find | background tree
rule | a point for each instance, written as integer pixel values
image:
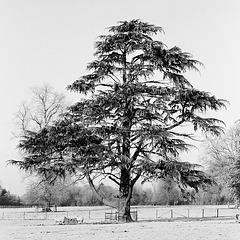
(129, 127)
(142, 195)
(43, 109)
(41, 192)
(167, 192)
(221, 155)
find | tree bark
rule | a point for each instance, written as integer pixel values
(124, 210)
(125, 194)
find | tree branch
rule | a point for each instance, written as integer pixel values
(114, 180)
(100, 198)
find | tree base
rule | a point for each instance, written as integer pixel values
(125, 218)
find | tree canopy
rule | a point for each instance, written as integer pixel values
(129, 126)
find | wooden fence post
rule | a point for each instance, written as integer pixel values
(203, 212)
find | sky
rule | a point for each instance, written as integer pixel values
(51, 41)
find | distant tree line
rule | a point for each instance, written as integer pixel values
(6, 198)
(164, 192)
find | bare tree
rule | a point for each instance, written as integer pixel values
(44, 107)
(221, 155)
(42, 193)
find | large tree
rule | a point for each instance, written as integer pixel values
(129, 125)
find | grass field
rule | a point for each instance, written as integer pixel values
(147, 227)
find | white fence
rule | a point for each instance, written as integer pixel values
(97, 214)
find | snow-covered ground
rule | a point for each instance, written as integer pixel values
(226, 229)
(154, 222)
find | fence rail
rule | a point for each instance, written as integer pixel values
(98, 214)
(16, 206)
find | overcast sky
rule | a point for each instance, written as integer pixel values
(51, 41)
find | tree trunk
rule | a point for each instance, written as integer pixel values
(124, 210)
(123, 204)
(125, 194)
